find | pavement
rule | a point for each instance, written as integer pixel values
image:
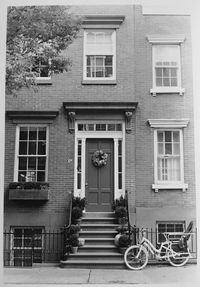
(157, 275)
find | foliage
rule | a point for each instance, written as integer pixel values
(73, 240)
(123, 241)
(121, 212)
(37, 31)
(76, 213)
(122, 229)
(28, 185)
(119, 202)
(78, 202)
(74, 229)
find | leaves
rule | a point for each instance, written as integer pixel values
(37, 31)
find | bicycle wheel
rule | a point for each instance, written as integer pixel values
(177, 260)
(136, 257)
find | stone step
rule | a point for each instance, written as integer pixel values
(98, 248)
(98, 241)
(99, 220)
(98, 234)
(97, 256)
(98, 227)
(98, 214)
(93, 264)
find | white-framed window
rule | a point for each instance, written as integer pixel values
(27, 244)
(31, 153)
(168, 157)
(41, 67)
(168, 153)
(166, 65)
(99, 54)
(176, 227)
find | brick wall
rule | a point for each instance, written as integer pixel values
(134, 80)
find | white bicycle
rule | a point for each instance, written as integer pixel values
(177, 254)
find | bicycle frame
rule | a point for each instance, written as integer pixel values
(165, 247)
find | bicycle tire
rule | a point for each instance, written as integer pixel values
(176, 260)
(130, 259)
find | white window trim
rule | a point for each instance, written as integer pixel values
(84, 135)
(16, 163)
(166, 90)
(168, 125)
(85, 78)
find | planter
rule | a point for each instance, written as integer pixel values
(122, 249)
(122, 220)
(28, 194)
(74, 249)
(117, 239)
(81, 241)
(77, 221)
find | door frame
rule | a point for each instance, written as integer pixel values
(81, 137)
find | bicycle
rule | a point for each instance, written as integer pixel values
(176, 253)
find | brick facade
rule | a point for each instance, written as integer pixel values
(133, 84)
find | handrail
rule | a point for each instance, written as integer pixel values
(68, 226)
(128, 215)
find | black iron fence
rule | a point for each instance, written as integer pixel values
(25, 250)
(47, 247)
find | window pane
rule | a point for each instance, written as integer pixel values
(159, 82)
(23, 133)
(32, 148)
(108, 61)
(176, 149)
(42, 147)
(168, 148)
(160, 136)
(23, 148)
(165, 72)
(99, 61)
(168, 136)
(173, 72)
(42, 134)
(41, 163)
(40, 176)
(32, 133)
(108, 72)
(32, 163)
(174, 82)
(159, 72)
(22, 163)
(160, 148)
(166, 82)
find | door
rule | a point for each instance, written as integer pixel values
(99, 179)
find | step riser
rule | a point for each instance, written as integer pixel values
(97, 250)
(98, 214)
(96, 258)
(98, 221)
(99, 242)
(96, 236)
(98, 228)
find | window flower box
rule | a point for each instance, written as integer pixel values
(28, 191)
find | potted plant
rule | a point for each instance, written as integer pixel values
(122, 229)
(119, 202)
(123, 243)
(74, 229)
(76, 215)
(121, 214)
(74, 243)
(78, 202)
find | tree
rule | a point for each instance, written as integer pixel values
(35, 35)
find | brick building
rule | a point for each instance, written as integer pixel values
(128, 93)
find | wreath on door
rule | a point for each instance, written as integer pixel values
(99, 158)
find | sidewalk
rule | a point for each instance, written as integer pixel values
(159, 275)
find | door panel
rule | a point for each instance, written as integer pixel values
(99, 180)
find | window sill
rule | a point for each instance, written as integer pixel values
(166, 186)
(155, 91)
(43, 80)
(99, 82)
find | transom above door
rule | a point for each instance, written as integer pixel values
(99, 132)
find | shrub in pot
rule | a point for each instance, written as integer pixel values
(121, 214)
(123, 243)
(74, 229)
(119, 202)
(76, 214)
(78, 202)
(74, 242)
